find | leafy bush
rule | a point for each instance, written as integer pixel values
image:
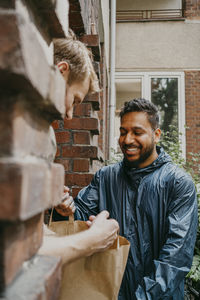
(171, 143)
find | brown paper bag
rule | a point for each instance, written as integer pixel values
(97, 276)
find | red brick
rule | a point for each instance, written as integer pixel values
(19, 242)
(82, 124)
(74, 7)
(93, 43)
(40, 83)
(64, 162)
(26, 188)
(75, 19)
(63, 137)
(55, 124)
(94, 99)
(81, 165)
(192, 106)
(58, 151)
(81, 137)
(91, 40)
(83, 110)
(23, 134)
(80, 151)
(78, 179)
(191, 9)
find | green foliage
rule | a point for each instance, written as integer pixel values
(115, 157)
(165, 97)
(171, 143)
(194, 273)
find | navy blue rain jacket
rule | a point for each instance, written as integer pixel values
(156, 208)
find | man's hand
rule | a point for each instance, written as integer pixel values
(67, 207)
(104, 231)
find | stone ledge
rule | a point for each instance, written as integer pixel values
(28, 187)
(25, 132)
(19, 242)
(44, 274)
(21, 73)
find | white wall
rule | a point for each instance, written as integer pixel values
(162, 46)
(106, 27)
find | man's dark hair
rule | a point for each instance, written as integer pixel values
(142, 105)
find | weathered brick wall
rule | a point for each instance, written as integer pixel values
(192, 102)
(31, 97)
(192, 9)
(90, 15)
(82, 141)
(84, 16)
(75, 18)
(103, 112)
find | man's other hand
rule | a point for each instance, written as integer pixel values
(67, 207)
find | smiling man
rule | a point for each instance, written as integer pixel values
(138, 139)
(155, 204)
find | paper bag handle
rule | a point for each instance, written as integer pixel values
(51, 216)
(118, 245)
(71, 217)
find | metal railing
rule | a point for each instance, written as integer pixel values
(156, 14)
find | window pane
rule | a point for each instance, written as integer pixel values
(164, 94)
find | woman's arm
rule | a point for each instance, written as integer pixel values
(98, 237)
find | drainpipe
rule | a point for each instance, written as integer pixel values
(112, 103)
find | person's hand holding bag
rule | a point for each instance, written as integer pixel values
(102, 231)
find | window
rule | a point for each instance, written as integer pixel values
(164, 94)
(137, 10)
(164, 89)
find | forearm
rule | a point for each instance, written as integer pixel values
(68, 248)
(100, 236)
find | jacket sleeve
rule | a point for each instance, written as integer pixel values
(176, 254)
(87, 200)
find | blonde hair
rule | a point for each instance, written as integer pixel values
(79, 59)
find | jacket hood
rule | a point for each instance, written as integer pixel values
(136, 174)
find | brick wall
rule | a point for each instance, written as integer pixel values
(77, 145)
(192, 9)
(81, 142)
(192, 102)
(31, 97)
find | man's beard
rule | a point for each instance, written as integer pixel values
(143, 157)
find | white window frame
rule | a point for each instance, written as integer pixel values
(146, 93)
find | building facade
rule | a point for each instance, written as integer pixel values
(159, 59)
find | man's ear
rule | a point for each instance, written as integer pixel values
(63, 66)
(157, 133)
